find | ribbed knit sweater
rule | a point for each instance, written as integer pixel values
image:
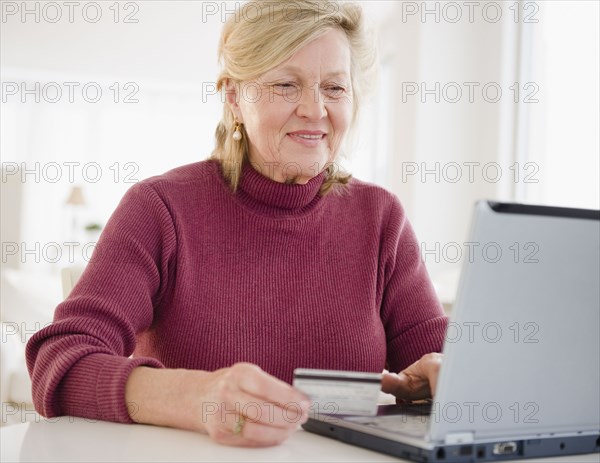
(188, 274)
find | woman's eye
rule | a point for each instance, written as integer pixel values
(334, 90)
(285, 85)
(286, 89)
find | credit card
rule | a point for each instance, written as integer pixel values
(335, 392)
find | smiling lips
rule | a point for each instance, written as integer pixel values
(307, 137)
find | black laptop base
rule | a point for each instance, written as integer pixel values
(464, 453)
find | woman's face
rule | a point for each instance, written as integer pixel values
(297, 114)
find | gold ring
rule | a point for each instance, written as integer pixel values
(239, 425)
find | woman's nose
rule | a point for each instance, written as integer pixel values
(311, 104)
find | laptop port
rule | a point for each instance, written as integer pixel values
(505, 448)
(466, 450)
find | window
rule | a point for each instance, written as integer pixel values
(561, 134)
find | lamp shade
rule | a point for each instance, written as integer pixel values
(76, 197)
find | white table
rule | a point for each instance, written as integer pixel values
(76, 439)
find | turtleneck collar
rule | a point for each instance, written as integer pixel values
(268, 196)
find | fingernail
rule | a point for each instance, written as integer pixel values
(305, 405)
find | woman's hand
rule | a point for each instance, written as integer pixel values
(241, 405)
(416, 382)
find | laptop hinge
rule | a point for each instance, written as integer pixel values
(459, 438)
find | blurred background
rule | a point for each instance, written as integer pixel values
(494, 100)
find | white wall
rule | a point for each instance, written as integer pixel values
(537, 142)
(168, 57)
(435, 129)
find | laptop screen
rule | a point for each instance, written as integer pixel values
(522, 350)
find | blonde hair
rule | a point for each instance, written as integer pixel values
(264, 34)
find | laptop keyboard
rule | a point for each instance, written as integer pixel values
(411, 419)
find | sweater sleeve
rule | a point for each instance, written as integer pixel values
(79, 364)
(413, 317)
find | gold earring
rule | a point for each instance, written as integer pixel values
(237, 135)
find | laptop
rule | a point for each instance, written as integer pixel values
(521, 371)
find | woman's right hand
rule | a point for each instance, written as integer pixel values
(241, 405)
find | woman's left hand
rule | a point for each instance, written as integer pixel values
(416, 382)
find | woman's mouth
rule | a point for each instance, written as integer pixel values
(310, 139)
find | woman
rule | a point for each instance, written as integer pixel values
(221, 277)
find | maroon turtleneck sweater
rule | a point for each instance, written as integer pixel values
(189, 275)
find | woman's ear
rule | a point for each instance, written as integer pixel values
(231, 95)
